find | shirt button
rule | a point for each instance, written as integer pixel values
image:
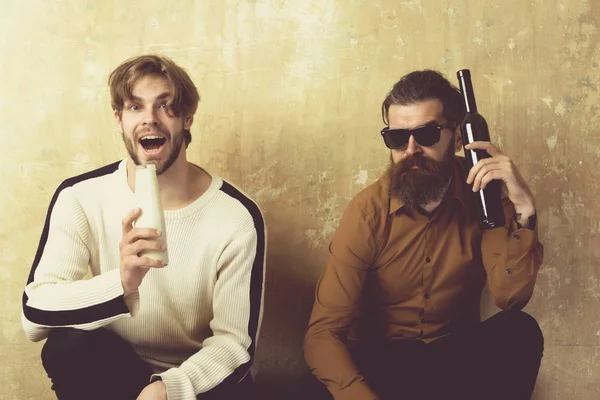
(428, 259)
(422, 320)
(516, 236)
(508, 271)
(421, 333)
(426, 295)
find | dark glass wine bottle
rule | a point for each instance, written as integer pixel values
(474, 128)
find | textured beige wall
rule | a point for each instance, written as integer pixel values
(290, 112)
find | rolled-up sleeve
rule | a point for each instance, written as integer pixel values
(512, 257)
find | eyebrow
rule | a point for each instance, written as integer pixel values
(433, 122)
(161, 96)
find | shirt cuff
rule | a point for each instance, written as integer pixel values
(522, 238)
(356, 391)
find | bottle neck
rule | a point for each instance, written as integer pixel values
(466, 88)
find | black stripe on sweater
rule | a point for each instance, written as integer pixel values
(84, 315)
(256, 280)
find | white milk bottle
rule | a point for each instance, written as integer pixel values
(147, 197)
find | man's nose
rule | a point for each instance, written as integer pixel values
(150, 117)
(413, 147)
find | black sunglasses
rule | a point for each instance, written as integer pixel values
(427, 135)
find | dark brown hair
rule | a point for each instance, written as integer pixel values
(185, 97)
(424, 85)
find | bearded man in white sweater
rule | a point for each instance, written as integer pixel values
(123, 326)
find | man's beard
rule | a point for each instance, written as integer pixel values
(423, 185)
(131, 147)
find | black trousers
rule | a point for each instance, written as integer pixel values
(99, 364)
(497, 360)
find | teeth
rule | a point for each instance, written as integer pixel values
(150, 137)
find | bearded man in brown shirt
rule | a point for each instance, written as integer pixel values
(396, 313)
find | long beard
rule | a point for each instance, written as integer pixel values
(176, 144)
(423, 185)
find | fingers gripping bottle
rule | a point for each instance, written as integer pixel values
(147, 197)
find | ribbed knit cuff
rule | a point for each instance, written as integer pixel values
(178, 385)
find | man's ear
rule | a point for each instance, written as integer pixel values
(458, 142)
(187, 122)
(118, 119)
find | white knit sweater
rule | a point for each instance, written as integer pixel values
(196, 321)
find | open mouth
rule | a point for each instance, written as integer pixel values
(152, 144)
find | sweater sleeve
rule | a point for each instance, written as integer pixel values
(58, 293)
(237, 299)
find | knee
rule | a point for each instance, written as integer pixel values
(524, 328)
(64, 347)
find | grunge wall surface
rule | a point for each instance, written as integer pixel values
(290, 113)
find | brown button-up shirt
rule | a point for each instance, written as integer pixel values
(421, 276)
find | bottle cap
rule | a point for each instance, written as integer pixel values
(146, 166)
(463, 73)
